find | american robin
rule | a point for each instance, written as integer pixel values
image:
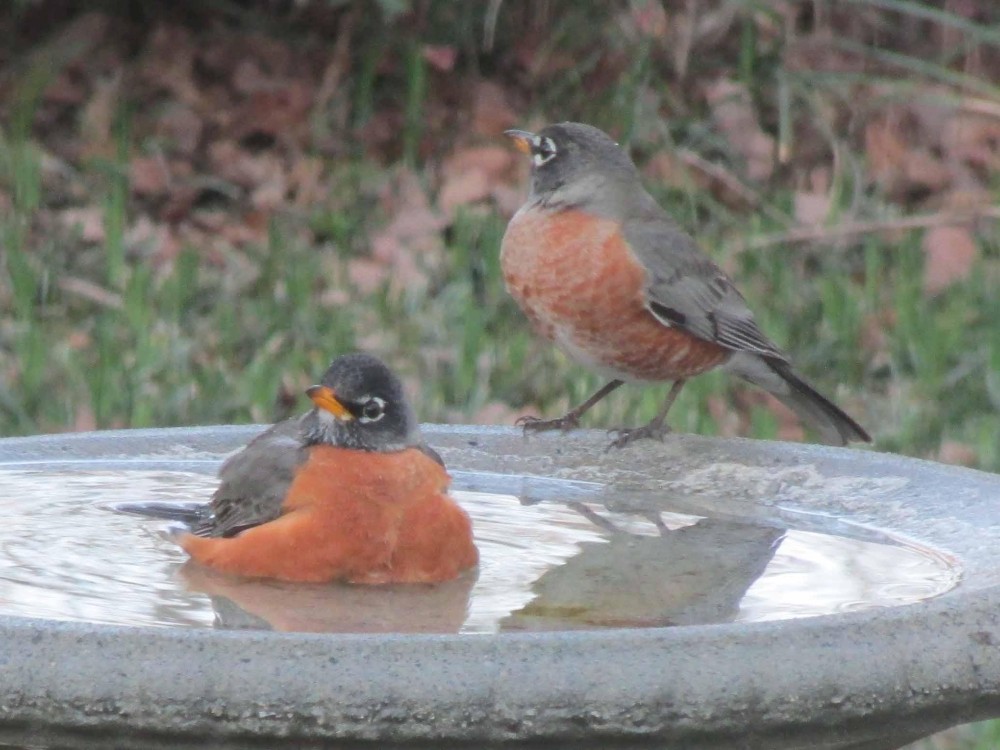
(346, 492)
(603, 271)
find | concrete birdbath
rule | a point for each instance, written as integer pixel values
(700, 593)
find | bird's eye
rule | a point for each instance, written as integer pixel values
(372, 410)
(543, 150)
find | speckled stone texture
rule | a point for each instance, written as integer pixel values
(865, 681)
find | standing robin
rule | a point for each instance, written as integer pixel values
(346, 492)
(605, 273)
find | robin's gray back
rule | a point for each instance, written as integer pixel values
(684, 288)
(256, 480)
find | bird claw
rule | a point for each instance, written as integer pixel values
(626, 435)
(535, 424)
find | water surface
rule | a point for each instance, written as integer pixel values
(564, 562)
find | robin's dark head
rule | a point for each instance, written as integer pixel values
(576, 165)
(360, 404)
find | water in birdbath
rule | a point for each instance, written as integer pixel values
(553, 559)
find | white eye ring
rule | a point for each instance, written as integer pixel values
(543, 150)
(372, 404)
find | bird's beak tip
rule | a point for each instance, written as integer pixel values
(521, 138)
(324, 398)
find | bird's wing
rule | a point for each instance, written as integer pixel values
(255, 481)
(430, 453)
(685, 289)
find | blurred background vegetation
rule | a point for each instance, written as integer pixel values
(201, 202)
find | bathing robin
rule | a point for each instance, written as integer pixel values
(346, 492)
(602, 270)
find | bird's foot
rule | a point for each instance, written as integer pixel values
(626, 435)
(565, 423)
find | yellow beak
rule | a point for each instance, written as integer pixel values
(324, 398)
(522, 139)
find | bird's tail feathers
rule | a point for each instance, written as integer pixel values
(835, 427)
(187, 513)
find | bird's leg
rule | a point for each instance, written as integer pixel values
(595, 518)
(571, 419)
(656, 429)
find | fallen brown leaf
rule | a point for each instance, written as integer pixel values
(79, 340)
(472, 174)
(949, 254)
(168, 64)
(274, 112)
(270, 194)
(464, 188)
(875, 328)
(668, 168)
(925, 171)
(403, 190)
(508, 199)
(84, 419)
(410, 231)
(87, 220)
(257, 221)
(811, 209)
(84, 34)
(972, 200)
(231, 48)
(649, 18)
(974, 140)
(148, 175)
(366, 275)
(65, 89)
(917, 148)
(409, 257)
(886, 150)
(97, 118)
(239, 231)
(954, 452)
(491, 111)
(734, 116)
(494, 160)
(180, 127)
(235, 164)
(726, 420)
(414, 226)
(248, 77)
(440, 56)
(151, 240)
(305, 181)
(141, 235)
(179, 203)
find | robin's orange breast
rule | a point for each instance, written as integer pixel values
(354, 516)
(582, 287)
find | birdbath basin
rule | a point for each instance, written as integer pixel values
(699, 593)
